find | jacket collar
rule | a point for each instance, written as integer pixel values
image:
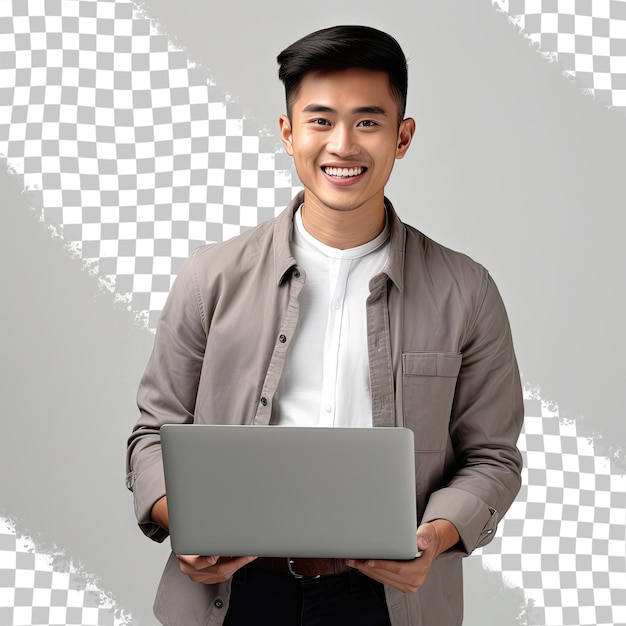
(283, 234)
(284, 261)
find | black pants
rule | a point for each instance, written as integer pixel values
(262, 597)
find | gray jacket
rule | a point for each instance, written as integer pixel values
(441, 363)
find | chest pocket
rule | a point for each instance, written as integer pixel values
(428, 384)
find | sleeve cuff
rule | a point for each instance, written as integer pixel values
(148, 486)
(475, 521)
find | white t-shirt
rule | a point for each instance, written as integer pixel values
(326, 377)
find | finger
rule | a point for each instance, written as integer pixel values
(426, 535)
(211, 570)
(407, 576)
(196, 566)
(427, 531)
(383, 575)
(198, 562)
(239, 561)
(222, 570)
(423, 542)
(391, 579)
(395, 567)
(363, 567)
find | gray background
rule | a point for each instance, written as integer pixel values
(512, 164)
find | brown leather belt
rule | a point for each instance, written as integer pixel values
(299, 568)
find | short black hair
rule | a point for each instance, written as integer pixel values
(341, 48)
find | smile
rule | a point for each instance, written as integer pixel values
(344, 172)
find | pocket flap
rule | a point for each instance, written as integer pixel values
(431, 363)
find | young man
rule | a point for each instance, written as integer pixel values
(338, 314)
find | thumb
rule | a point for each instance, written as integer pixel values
(426, 536)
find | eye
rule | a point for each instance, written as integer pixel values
(319, 121)
(367, 123)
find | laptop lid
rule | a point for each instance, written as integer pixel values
(292, 492)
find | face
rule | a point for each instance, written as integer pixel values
(344, 138)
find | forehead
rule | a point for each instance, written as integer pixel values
(354, 87)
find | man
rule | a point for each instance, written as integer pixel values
(337, 313)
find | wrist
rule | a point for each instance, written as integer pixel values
(446, 535)
(159, 514)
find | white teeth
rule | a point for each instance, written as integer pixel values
(343, 172)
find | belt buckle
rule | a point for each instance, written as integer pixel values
(290, 564)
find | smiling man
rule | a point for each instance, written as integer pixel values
(344, 136)
(338, 314)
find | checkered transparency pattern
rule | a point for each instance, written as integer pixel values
(34, 591)
(130, 152)
(564, 539)
(135, 157)
(586, 37)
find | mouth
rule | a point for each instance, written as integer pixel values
(344, 172)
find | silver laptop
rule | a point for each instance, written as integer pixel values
(292, 492)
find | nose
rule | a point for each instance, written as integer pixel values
(341, 141)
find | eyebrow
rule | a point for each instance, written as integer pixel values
(320, 108)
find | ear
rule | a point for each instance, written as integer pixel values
(405, 135)
(285, 133)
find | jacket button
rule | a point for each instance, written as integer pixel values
(282, 339)
(264, 401)
(219, 603)
(296, 273)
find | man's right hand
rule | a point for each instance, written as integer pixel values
(211, 569)
(201, 569)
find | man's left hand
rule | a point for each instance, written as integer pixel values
(433, 538)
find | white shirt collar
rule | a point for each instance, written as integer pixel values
(302, 236)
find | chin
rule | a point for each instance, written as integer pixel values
(341, 204)
(342, 207)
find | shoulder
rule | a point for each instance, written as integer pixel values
(222, 270)
(233, 257)
(441, 263)
(235, 251)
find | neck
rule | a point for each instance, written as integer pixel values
(343, 229)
